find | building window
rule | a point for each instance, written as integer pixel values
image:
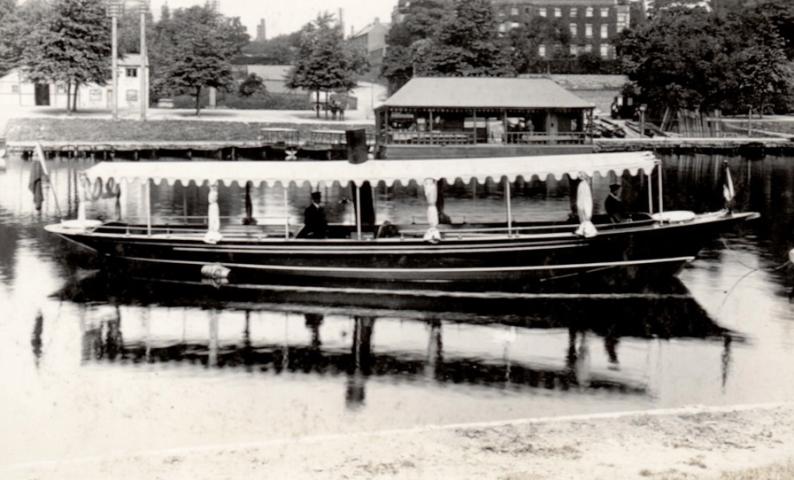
(542, 51)
(573, 29)
(604, 12)
(527, 10)
(502, 27)
(623, 21)
(588, 12)
(514, 25)
(604, 50)
(132, 72)
(14, 88)
(557, 12)
(574, 49)
(588, 30)
(542, 11)
(604, 31)
(132, 95)
(514, 11)
(574, 12)
(95, 95)
(60, 89)
(588, 48)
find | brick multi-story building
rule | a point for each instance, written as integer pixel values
(592, 23)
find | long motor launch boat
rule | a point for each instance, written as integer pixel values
(582, 249)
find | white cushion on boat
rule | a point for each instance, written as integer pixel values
(674, 216)
(80, 225)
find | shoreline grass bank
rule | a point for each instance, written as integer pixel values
(88, 130)
(64, 134)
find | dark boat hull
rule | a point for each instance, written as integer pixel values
(617, 256)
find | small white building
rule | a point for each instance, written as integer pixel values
(16, 91)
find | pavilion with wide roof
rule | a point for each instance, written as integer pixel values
(483, 110)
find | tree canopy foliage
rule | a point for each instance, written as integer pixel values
(279, 50)
(526, 40)
(421, 18)
(325, 61)
(466, 43)
(695, 59)
(194, 48)
(57, 41)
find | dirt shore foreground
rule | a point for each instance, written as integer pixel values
(694, 443)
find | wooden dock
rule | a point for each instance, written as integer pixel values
(726, 145)
(271, 144)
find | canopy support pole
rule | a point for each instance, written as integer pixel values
(358, 212)
(659, 181)
(286, 213)
(650, 192)
(147, 192)
(509, 208)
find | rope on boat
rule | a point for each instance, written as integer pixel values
(729, 292)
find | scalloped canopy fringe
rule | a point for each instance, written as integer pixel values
(283, 173)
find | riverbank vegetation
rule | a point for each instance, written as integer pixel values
(105, 130)
(734, 60)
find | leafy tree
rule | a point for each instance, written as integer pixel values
(466, 43)
(675, 59)
(779, 14)
(129, 35)
(195, 48)
(279, 50)
(685, 58)
(10, 23)
(7, 7)
(325, 62)
(420, 20)
(758, 71)
(526, 40)
(253, 84)
(67, 43)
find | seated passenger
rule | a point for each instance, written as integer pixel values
(314, 223)
(614, 205)
(387, 230)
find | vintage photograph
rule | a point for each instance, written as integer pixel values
(397, 239)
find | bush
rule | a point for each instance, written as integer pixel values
(270, 101)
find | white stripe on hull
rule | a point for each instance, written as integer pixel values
(525, 268)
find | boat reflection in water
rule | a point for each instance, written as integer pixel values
(567, 343)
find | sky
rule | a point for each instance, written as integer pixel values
(286, 16)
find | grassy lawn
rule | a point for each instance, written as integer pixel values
(100, 130)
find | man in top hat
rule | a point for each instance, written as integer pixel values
(614, 204)
(314, 222)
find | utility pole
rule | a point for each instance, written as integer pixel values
(114, 9)
(144, 93)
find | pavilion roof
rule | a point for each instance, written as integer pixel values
(484, 92)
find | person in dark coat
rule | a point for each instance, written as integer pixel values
(614, 204)
(314, 223)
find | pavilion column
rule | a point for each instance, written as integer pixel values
(430, 125)
(386, 119)
(474, 117)
(504, 127)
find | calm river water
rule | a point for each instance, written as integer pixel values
(90, 368)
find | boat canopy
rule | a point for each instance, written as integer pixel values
(373, 171)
